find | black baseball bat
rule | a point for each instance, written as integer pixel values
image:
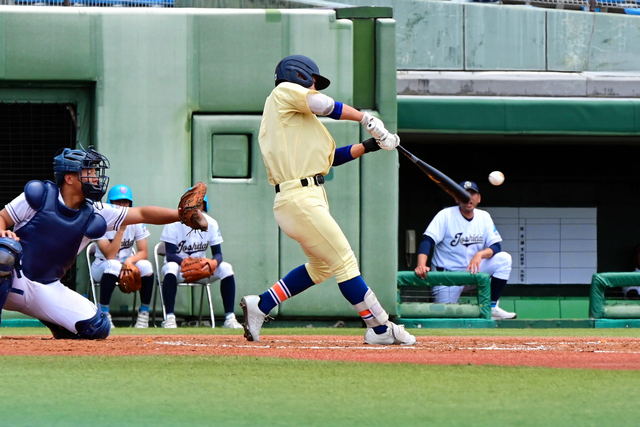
(443, 181)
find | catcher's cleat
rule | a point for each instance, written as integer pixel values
(253, 317)
(143, 320)
(170, 323)
(232, 323)
(395, 335)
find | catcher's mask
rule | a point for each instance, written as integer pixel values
(301, 70)
(120, 192)
(67, 161)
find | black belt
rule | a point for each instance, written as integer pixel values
(440, 269)
(317, 180)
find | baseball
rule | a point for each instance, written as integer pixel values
(496, 177)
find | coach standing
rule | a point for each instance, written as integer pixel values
(465, 239)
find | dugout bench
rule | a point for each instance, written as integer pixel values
(609, 312)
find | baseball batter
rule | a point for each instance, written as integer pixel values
(465, 239)
(53, 222)
(181, 242)
(115, 248)
(298, 152)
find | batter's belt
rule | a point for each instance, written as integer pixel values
(297, 183)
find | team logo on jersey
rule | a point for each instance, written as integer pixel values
(126, 244)
(472, 239)
(193, 248)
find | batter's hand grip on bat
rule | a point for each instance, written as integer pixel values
(443, 181)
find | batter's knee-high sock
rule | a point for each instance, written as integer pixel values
(296, 281)
(228, 293)
(169, 290)
(145, 292)
(107, 285)
(497, 286)
(354, 291)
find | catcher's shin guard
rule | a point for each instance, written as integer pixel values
(371, 311)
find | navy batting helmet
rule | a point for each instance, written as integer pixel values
(301, 70)
(68, 161)
(120, 192)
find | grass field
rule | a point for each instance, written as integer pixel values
(248, 391)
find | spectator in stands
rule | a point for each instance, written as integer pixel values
(465, 239)
(633, 292)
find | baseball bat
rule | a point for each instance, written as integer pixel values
(443, 181)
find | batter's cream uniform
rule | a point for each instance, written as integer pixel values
(132, 234)
(457, 240)
(54, 302)
(295, 145)
(194, 244)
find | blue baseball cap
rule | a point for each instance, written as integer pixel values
(470, 185)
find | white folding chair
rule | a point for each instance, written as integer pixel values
(160, 252)
(91, 253)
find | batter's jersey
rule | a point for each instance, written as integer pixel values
(21, 213)
(191, 243)
(132, 234)
(458, 239)
(293, 141)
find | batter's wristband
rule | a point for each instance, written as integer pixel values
(370, 145)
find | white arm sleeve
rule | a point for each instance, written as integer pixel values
(320, 104)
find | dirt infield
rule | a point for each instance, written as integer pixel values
(569, 352)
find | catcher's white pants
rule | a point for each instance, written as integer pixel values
(53, 303)
(113, 266)
(498, 266)
(223, 271)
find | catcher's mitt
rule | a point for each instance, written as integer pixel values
(188, 209)
(129, 280)
(194, 269)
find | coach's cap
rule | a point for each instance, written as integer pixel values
(470, 185)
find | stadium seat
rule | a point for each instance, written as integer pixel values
(159, 253)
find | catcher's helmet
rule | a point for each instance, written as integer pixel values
(301, 70)
(120, 192)
(68, 161)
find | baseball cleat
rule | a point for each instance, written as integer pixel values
(253, 317)
(395, 335)
(170, 323)
(232, 323)
(143, 320)
(497, 313)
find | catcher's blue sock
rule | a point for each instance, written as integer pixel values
(497, 286)
(354, 291)
(169, 291)
(228, 293)
(107, 285)
(296, 281)
(146, 290)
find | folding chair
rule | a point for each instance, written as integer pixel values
(91, 253)
(160, 252)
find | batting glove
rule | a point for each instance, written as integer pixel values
(390, 142)
(374, 126)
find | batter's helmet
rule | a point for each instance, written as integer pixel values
(68, 161)
(120, 192)
(301, 70)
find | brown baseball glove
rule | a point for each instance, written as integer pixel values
(189, 207)
(129, 280)
(194, 269)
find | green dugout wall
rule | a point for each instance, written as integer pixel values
(157, 86)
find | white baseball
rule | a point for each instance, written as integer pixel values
(496, 177)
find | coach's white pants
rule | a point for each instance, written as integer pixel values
(223, 271)
(113, 266)
(53, 303)
(498, 266)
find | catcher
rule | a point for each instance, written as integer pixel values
(186, 261)
(117, 264)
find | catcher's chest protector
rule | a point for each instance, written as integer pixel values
(50, 240)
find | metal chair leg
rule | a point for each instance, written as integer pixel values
(133, 311)
(201, 301)
(213, 320)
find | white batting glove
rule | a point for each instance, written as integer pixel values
(374, 126)
(390, 142)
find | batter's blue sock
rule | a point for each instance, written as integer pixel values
(107, 285)
(296, 281)
(169, 291)
(354, 291)
(497, 286)
(146, 290)
(228, 293)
